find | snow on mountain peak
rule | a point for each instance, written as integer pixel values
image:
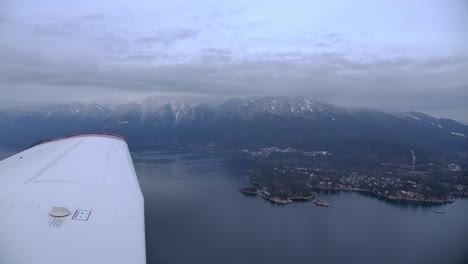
(281, 106)
(160, 112)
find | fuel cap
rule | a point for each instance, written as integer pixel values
(59, 211)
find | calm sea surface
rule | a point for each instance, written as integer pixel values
(194, 214)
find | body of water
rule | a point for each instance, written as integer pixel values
(195, 214)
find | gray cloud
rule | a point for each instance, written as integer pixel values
(93, 17)
(323, 44)
(325, 41)
(215, 56)
(82, 25)
(56, 29)
(402, 83)
(168, 37)
(145, 57)
(333, 37)
(233, 49)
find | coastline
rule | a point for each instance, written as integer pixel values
(389, 198)
(259, 190)
(276, 200)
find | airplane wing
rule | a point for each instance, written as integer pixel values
(72, 200)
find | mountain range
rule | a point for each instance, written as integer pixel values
(244, 123)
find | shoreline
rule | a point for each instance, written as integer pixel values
(388, 198)
(276, 200)
(252, 191)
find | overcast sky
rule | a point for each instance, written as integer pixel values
(393, 55)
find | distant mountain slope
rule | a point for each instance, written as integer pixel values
(251, 123)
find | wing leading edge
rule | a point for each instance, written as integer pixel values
(90, 179)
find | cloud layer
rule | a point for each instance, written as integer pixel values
(124, 52)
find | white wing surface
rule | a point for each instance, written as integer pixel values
(88, 178)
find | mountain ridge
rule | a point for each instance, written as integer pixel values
(274, 105)
(243, 123)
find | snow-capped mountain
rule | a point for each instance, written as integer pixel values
(280, 106)
(241, 123)
(92, 110)
(151, 110)
(154, 111)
